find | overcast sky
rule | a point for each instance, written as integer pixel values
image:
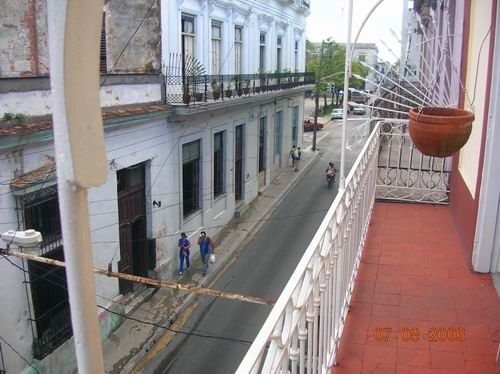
(329, 19)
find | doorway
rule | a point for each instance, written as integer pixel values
(132, 224)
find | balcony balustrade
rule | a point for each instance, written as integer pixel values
(212, 88)
(303, 331)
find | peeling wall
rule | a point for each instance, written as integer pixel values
(24, 37)
(142, 55)
(22, 34)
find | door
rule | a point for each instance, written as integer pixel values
(295, 124)
(132, 224)
(278, 136)
(238, 162)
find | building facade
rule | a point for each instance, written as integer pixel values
(174, 165)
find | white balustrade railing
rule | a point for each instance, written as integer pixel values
(303, 330)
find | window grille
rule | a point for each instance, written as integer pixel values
(51, 317)
(103, 62)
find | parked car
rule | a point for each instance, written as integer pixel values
(337, 113)
(309, 125)
(351, 105)
(359, 110)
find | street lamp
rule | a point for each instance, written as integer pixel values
(347, 71)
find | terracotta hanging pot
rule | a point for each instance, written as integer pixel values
(440, 132)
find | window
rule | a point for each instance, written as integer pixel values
(262, 144)
(362, 58)
(296, 56)
(238, 42)
(48, 285)
(262, 52)
(216, 47)
(103, 62)
(218, 164)
(187, 38)
(191, 177)
(278, 53)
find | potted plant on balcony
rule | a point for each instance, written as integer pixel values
(262, 81)
(246, 86)
(229, 90)
(186, 96)
(215, 89)
(439, 132)
(237, 85)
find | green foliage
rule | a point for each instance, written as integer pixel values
(7, 116)
(334, 63)
(20, 117)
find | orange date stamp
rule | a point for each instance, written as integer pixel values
(413, 334)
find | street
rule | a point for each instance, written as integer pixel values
(262, 269)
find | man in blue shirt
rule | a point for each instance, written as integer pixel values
(184, 246)
(206, 248)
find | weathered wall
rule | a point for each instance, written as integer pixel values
(23, 38)
(159, 144)
(143, 52)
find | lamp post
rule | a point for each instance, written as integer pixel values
(347, 72)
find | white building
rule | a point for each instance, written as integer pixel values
(172, 167)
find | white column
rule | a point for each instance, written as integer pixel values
(74, 38)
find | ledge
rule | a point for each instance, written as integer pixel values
(39, 129)
(181, 110)
(42, 83)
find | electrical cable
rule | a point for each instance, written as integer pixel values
(206, 335)
(19, 354)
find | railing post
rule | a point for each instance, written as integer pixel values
(206, 87)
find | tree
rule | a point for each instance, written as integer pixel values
(334, 64)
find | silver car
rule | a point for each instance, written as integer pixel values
(337, 114)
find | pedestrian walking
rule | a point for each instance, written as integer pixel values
(292, 155)
(296, 155)
(206, 250)
(184, 246)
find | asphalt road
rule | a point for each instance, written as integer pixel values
(263, 269)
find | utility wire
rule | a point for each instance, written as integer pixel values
(128, 42)
(210, 336)
(19, 354)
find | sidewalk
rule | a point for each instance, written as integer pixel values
(130, 343)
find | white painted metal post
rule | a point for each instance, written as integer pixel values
(74, 38)
(347, 71)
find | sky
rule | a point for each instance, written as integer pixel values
(328, 18)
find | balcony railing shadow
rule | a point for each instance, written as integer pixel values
(213, 88)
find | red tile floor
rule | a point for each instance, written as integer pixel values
(416, 306)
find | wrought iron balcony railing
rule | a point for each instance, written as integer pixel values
(208, 88)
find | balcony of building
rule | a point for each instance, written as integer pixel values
(384, 286)
(202, 92)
